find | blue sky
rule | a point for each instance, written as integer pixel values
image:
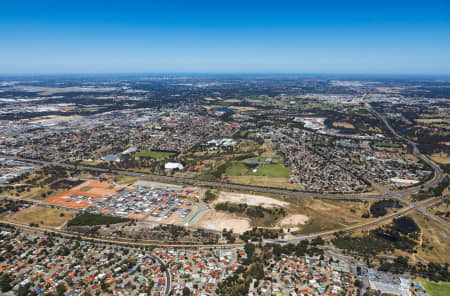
(404, 37)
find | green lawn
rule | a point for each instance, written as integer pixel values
(154, 154)
(237, 168)
(387, 145)
(434, 288)
(274, 170)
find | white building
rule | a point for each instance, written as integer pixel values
(173, 166)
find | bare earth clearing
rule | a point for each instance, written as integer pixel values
(219, 221)
(251, 200)
(292, 220)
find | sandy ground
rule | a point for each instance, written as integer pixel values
(54, 118)
(343, 124)
(251, 200)
(219, 220)
(238, 108)
(232, 101)
(294, 220)
(88, 188)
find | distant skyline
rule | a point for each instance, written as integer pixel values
(385, 37)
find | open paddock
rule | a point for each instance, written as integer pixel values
(42, 215)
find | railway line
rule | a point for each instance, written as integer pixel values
(401, 195)
(438, 176)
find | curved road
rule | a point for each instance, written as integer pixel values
(168, 286)
(418, 206)
(42, 231)
(437, 178)
(438, 175)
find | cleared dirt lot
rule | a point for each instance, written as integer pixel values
(251, 200)
(88, 188)
(292, 220)
(219, 221)
(54, 118)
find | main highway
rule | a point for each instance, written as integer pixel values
(438, 175)
(437, 178)
(168, 279)
(421, 206)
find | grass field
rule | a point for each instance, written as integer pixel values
(237, 168)
(38, 214)
(441, 158)
(330, 214)
(387, 145)
(274, 170)
(435, 238)
(343, 124)
(154, 154)
(435, 289)
(434, 120)
(35, 192)
(443, 207)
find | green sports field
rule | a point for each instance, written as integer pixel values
(434, 288)
(274, 170)
(154, 154)
(238, 168)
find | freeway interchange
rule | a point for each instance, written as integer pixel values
(401, 195)
(438, 176)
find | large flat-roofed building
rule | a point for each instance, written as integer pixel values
(173, 166)
(389, 283)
